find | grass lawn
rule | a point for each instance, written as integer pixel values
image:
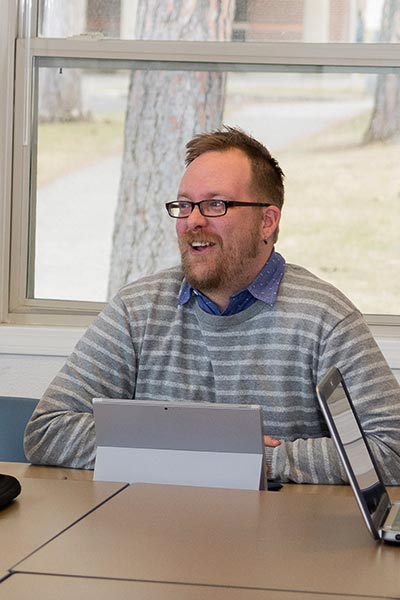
(342, 216)
(65, 147)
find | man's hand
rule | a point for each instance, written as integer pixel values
(270, 441)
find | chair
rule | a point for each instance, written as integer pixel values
(14, 415)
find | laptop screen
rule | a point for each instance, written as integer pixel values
(353, 446)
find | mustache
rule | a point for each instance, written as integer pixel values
(190, 237)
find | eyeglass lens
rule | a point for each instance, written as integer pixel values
(208, 208)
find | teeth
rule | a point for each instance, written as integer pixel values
(201, 244)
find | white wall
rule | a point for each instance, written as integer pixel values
(31, 356)
(27, 376)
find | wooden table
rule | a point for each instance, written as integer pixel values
(45, 507)
(27, 470)
(47, 587)
(296, 542)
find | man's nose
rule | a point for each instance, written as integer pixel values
(196, 219)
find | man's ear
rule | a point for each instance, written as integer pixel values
(271, 218)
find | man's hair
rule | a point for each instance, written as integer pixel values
(267, 180)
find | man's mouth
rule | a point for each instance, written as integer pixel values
(200, 245)
(196, 244)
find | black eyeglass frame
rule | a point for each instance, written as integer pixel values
(226, 203)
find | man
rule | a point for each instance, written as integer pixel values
(233, 324)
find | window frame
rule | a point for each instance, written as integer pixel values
(15, 307)
(8, 32)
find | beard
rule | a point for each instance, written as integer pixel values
(225, 268)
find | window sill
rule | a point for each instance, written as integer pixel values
(40, 341)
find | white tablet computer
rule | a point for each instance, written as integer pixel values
(180, 443)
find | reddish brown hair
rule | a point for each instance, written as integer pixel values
(268, 177)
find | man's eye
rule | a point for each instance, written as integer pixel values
(216, 203)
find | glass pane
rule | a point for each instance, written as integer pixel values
(341, 215)
(242, 20)
(331, 133)
(79, 150)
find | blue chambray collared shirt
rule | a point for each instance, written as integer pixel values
(264, 287)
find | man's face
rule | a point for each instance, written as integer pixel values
(231, 251)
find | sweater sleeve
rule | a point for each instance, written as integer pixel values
(61, 431)
(376, 395)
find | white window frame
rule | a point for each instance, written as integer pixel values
(15, 308)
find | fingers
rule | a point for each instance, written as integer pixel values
(271, 441)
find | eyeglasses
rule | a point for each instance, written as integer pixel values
(181, 209)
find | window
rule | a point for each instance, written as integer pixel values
(100, 128)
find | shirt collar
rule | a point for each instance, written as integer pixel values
(264, 287)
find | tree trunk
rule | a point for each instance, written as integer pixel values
(60, 89)
(165, 109)
(385, 119)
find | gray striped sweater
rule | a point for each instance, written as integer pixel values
(145, 346)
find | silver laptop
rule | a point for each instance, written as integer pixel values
(380, 515)
(180, 443)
